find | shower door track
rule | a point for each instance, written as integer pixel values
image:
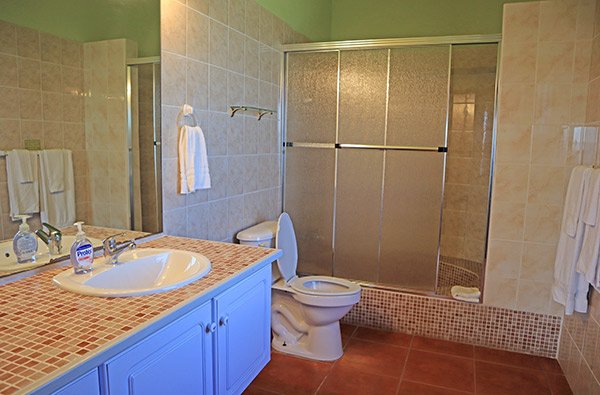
(365, 146)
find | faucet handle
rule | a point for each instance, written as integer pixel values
(51, 229)
(109, 242)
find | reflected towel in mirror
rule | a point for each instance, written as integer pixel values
(23, 184)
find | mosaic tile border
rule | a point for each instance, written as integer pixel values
(43, 328)
(494, 327)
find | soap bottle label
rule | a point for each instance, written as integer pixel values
(27, 245)
(84, 255)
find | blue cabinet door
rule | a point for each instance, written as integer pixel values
(88, 384)
(243, 334)
(174, 360)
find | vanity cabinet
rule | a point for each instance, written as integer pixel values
(217, 348)
(88, 384)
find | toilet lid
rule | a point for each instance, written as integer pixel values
(286, 242)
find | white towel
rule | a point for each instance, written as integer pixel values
(470, 300)
(193, 160)
(58, 208)
(569, 288)
(53, 161)
(23, 184)
(462, 293)
(573, 200)
(587, 263)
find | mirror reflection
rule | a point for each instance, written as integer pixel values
(79, 122)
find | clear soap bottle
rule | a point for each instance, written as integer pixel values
(82, 252)
(25, 242)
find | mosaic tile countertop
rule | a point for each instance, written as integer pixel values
(44, 329)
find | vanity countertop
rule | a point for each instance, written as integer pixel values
(45, 331)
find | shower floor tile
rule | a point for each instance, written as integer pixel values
(379, 362)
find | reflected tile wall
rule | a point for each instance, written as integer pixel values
(105, 87)
(215, 56)
(545, 70)
(41, 98)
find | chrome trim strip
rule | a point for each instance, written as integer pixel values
(393, 42)
(337, 158)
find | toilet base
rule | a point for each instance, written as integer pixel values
(321, 343)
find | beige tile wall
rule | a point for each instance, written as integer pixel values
(41, 98)
(579, 354)
(542, 100)
(106, 130)
(215, 55)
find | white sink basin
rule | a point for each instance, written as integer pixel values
(142, 271)
(8, 258)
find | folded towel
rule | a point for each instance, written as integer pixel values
(591, 203)
(58, 208)
(53, 161)
(470, 300)
(22, 164)
(23, 196)
(573, 200)
(193, 160)
(461, 293)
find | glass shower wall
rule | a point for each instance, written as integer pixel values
(373, 212)
(469, 162)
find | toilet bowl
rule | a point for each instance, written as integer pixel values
(305, 311)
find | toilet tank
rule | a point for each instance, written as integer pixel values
(260, 235)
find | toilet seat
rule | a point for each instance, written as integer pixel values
(324, 286)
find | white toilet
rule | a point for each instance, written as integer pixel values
(305, 311)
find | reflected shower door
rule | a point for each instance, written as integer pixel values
(414, 181)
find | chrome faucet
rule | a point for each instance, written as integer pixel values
(53, 239)
(112, 250)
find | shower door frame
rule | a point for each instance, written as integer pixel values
(391, 43)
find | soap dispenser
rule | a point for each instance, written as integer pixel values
(82, 252)
(25, 243)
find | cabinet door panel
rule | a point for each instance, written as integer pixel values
(88, 384)
(176, 359)
(243, 335)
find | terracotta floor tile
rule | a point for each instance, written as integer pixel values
(440, 370)
(345, 340)
(508, 358)
(347, 329)
(551, 365)
(412, 388)
(343, 381)
(254, 390)
(442, 347)
(497, 379)
(375, 335)
(559, 385)
(290, 375)
(375, 358)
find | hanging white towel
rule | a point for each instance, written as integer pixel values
(53, 162)
(193, 160)
(588, 259)
(58, 208)
(573, 201)
(569, 287)
(23, 182)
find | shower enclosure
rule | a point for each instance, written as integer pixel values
(388, 154)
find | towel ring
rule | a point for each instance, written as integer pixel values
(181, 120)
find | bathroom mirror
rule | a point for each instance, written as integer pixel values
(83, 76)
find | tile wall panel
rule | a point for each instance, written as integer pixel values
(214, 55)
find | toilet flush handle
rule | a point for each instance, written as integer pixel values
(224, 320)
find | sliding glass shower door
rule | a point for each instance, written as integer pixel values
(366, 140)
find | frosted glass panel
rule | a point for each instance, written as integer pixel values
(308, 199)
(411, 219)
(363, 89)
(418, 96)
(358, 209)
(312, 97)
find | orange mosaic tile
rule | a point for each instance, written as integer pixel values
(43, 328)
(445, 319)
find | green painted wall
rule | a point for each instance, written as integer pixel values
(90, 20)
(360, 19)
(309, 17)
